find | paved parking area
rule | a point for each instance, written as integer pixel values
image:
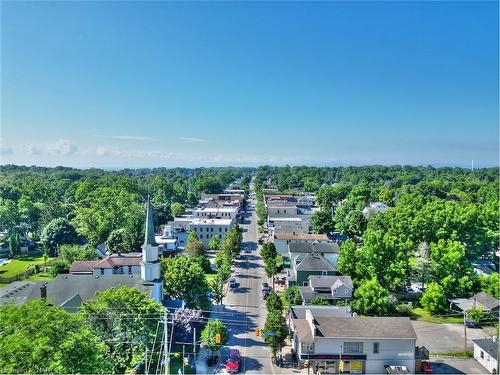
(456, 366)
(445, 337)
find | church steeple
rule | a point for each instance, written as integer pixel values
(149, 237)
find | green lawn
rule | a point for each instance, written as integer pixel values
(421, 314)
(40, 276)
(19, 265)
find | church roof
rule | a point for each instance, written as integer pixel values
(149, 238)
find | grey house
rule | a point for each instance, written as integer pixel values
(328, 250)
(331, 288)
(305, 266)
(481, 299)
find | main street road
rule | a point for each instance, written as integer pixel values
(245, 309)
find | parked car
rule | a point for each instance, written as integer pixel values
(233, 362)
(426, 367)
(248, 251)
(264, 286)
(266, 292)
(261, 241)
(232, 283)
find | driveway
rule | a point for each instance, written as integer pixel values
(456, 366)
(445, 337)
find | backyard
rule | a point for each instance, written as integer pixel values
(20, 264)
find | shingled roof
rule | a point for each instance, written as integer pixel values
(314, 262)
(313, 247)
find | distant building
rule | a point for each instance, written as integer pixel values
(481, 299)
(114, 264)
(207, 228)
(486, 353)
(216, 212)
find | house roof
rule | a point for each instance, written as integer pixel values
(117, 260)
(299, 311)
(200, 221)
(365, 327)
(486, 300)
(489, 346)
(16, 293)
(300, 236)
(308, 294)
(83, 266)
(329, 281)
(303, 330)
(68, 290)
(313, 247)
(314, 262)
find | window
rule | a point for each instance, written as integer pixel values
(225, 229)
(324, 273)
(220, 229)
(308, 347)
(375, 347)
(353, 347)
(482, 354)
(129, 269)
(102, 271)
(211, 229)
(305, 283)
(284, 211)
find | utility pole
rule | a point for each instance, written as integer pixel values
(166, 357)
(194, 343)
(465, 332)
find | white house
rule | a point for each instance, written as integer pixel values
(486, 353)
(114, 264)
(207, 228)
(374, 208)
(294, 222)
(331, 288)
(282, 239)
(354, 344)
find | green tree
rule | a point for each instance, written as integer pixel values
(479, 315)
(39, 338)
(184, 279)
(348, 258)
(356, 223)
(292, 295)
(322, 222)
(119, 241)
(271, 268)
(194, 246)
(275, 331)
(59, 231)
(214, 328)
(490, 284)
(126, 320)
(268, 251)
(319, 301)
(59, 266)
(71, 253)
(214, 243)
(371, 298)
(216, 285)
(274, 303)
(434, 299)
(14, 244)
(177, 209)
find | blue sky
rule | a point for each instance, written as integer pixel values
(136, 84)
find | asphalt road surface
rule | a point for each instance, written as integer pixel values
(245, 308)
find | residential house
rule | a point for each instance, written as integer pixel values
(282, 209)
(374, 208)
(167, 242)
(331, 288)
(299, 312)
(306, 201)
(207, 228)
(353, 344)
(486, 353)
(282, 239)
(329, 250)
(305, 266)
(180, 228)
(481, 299)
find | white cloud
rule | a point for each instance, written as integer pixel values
(124, 137)
(5, 149)
(192, 140)
(61, 147)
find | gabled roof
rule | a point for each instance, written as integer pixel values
(486, 300)
(316, 281)
(117, 260)
(489, 346)
(80, 266)
(312, 247)
(299, 311)
(314, 262)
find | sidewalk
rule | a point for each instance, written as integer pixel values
(201, 364)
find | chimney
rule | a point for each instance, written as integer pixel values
(43, 291)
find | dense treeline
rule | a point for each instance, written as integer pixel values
(437, 222)
(42, 202)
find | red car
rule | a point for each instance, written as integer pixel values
(426, 367)
(233, 363)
